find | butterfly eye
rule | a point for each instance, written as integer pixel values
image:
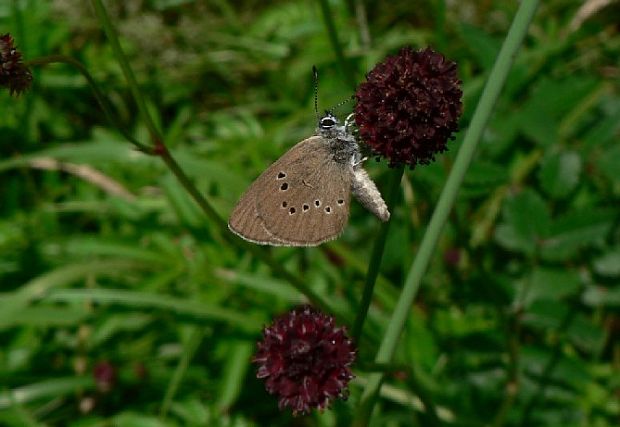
(327, 122)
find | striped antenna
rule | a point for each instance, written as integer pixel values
(341, 103)
(315, 77)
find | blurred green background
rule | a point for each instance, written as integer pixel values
(106, 265)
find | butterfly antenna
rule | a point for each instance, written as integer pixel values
(315, 78)
(341, 103)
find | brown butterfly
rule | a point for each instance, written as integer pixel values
(303, 198)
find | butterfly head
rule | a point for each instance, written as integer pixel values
(328, 122)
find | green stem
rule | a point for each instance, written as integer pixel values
(160, 149)
(514, 333)
(377, 255)
(446, 200)
(512, 382)
(124, 63)
(101, 99)
(333, 39)
(430, 417)
(539, 396)
(414, 382)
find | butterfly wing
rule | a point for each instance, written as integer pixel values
(300, 200)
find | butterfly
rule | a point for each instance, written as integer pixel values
(303, 198)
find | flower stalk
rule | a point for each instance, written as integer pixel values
(446, 201)
(98, 94)
(376, 257)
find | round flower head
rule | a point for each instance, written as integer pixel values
(14, 75)
(409, 106)
(105, 376)
(305, 360)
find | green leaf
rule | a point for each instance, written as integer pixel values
(180, 306)
(85, 246)
(598, 296)
(481, 44)
(52, 388)
(263, 284)
(117, 324)
(559, 173)
(47, 316)
(603, 132)
(192, 412)
(550, 100)
(12, 304)
(543, 315)
(608, 265)
(526, 221)
(574, 231)
(586, 334)
(233, 374)
(552, 314)
(134, 419)
(482, 178)
(547, 284)
(567, 370)
(182, 204)
(609, 162)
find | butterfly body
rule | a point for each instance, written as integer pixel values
(303, 198)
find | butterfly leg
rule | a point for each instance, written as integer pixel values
(357, 160)
(348, 121)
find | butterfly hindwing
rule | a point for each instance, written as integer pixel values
(300, 200)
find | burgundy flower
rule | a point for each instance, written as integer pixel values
(409, 106)
(105, 376)
(14, 75)
(452, 257)
(305, 360)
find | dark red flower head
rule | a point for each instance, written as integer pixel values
(105, 376)
(305, 360)
(14, 75)
(409, 106)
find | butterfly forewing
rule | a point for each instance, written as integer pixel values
(300, 200)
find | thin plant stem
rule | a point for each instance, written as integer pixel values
(512, 382)
(332, 33)
(101, 99)
(189, 350)
(160, 149)
(430, 415)
(446, 200)
(376, 257)
(413, 379)
(136, 93)
(539, 396)
(513, 334)
(362, 24)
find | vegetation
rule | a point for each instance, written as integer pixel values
(124, 302)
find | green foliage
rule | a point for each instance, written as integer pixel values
(105, 257)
